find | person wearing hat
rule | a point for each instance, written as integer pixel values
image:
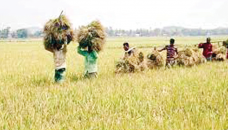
(207, 49)
(171, 53)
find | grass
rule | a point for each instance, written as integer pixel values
(178, 98)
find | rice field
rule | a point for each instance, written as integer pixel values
(177, 99)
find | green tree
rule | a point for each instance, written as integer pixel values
(4, 33)
(22, 33)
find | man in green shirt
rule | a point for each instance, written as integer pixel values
(91, 57)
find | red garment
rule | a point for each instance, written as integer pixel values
(207, 49)
(227, 53)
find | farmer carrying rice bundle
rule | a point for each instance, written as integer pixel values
(171, 53)
(132, 61)
(91, 39)
(207, 49)
(213, 52)
(58, 33)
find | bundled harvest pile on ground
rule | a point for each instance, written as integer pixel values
(225, 43)
(57, 32)
(131, 64)
(92, 35)
(155, 60)
(190, 57)
(219, 53)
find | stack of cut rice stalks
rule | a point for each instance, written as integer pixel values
(190, 57)
(92, 35)
(219, 53)
(225, 43)
(131, 64)
(57, 32)
(155, 60)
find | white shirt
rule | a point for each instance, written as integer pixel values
(60, 57)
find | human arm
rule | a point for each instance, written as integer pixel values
(49, 49)
(200, 45)
(83, 53)
(162, 49)
(176, 51)
(94, 54)
(64, 47)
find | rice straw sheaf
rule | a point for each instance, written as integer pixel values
(190, 57)
(92, 35)
(131, 64)
(58, 31)
(219, 53)
(155, 60)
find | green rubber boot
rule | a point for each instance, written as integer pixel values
(60, 75)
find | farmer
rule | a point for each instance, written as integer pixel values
(91, 57)
(171, 53)
(59, 53)
(207, 49)
(128, 51)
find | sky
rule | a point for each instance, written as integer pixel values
(119, 14)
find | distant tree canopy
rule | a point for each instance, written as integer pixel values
(166, 31)
(22, 33)
(4, 33)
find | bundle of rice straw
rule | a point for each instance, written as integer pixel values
(142, 64)
(220, 50)
(219, 53)
(131, 64)
(190, 57)
(220, 57)
(92, 35)
(198, 57)
(225, 43)
(155, 60)
(58, 31)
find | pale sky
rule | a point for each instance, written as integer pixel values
(124, 14)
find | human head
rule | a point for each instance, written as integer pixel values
(126, 46)
(208, 40)
(172, 41)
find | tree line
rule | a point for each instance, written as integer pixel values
(166, 31)
(19, 33)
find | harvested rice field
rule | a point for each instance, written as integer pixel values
(181, 98)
